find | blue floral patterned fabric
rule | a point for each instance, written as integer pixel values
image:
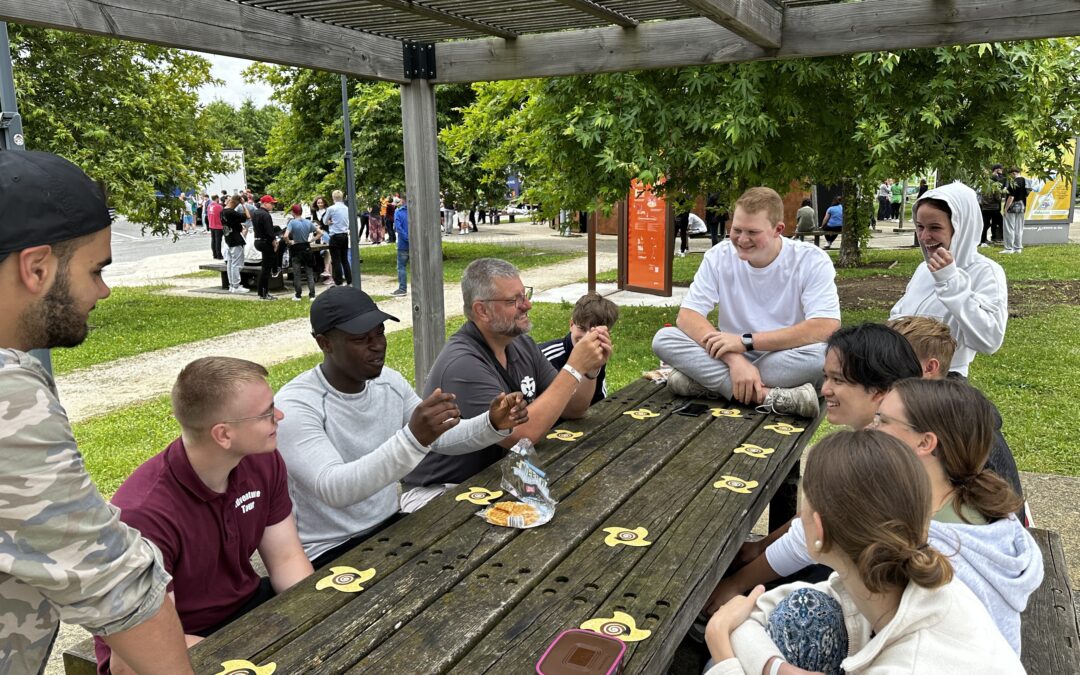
(808, 627)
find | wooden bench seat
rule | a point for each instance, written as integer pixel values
(1049, 635)
(817, 234)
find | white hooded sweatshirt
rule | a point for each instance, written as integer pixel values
(971, 295)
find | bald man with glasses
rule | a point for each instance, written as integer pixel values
(217, 494)
(493, 354)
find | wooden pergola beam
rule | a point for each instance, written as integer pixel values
(821, 30)
(756, 20)
(447, 17)
(228, 28)
(601, 12)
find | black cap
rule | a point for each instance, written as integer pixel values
(45, 199)
(346, 308)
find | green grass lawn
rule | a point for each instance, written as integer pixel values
(1031, 379)
(137, 320)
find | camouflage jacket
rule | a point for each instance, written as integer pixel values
(64, 554)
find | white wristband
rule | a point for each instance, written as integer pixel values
(573, 371)
(775, 667)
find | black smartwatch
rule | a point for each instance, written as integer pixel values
(748, 341)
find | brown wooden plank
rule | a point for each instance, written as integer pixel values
(79, 659)
(221, 27)
(462, 615)
(1049, 636)
(289, 616)
(820, 30)
(697, 532)
(756, 20)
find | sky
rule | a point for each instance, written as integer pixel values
(229, 70)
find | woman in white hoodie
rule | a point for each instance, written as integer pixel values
(956, 285)
(891, 607)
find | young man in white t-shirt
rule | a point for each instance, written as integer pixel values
(777, 305)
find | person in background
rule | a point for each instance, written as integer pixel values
(1015, 206)
(806, 217)
(298, 234)
(401, 229)
(833, 220)
(591, 310)
(336, 220)
(266, 243)
(232, 223)
(214, 223)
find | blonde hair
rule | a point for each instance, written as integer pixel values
(758, 199)
(930, 338)
(873, 497)
(207, 385)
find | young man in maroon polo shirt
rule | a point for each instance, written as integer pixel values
(215, 496)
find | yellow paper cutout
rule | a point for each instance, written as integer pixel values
(564, 435)
(479, 495)
(784, 429)
(755, 451)
(345, 579)
(242, 667)
(641, 413)
(620, 625)
(621, 536)
(735, 484)
(726, 412)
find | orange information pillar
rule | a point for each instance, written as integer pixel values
(646, 246)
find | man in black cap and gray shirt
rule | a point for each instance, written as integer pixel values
(353, 428)
(63, 553)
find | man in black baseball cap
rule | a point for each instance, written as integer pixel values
(73, 560)
(353, 428)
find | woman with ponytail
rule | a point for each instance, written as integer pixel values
(950, 427)
(892, 606)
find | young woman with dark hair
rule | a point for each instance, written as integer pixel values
(893, 604)
(861, 364)
(949, 425)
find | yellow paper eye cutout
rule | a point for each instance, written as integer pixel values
(755, 451)
(242, 667)
(784, 429)
(621, 536)
(565, 435)
(620, 625)
(735, 484)
(641, 413)
(726, 412)
(479, 495)
(345, 579)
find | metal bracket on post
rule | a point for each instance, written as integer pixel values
(419, 58)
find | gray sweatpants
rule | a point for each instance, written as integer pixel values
(234, 261)
(787, 368)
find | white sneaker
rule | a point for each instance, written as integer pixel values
(801, 401)
(681, 384)
(296, 298)
(984, 245)
(1007, 250)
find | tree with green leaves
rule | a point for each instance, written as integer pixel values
(126, 112)
(848, 120)
(247, 127)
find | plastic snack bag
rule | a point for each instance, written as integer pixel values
(523, 478)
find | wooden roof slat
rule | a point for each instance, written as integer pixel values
(756, 20)
(221, 27)
(454, 19)
(601, 12)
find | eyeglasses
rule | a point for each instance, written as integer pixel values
(519, 299)
(265, 415)
(880, 420)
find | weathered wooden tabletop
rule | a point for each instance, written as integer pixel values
(452, 593)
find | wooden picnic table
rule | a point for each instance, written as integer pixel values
(452, 593)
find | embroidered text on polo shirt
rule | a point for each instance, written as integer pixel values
(244, 508)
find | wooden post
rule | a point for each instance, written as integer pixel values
(425, 239)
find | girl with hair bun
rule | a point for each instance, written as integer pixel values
(949, 425)
(893, 604)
